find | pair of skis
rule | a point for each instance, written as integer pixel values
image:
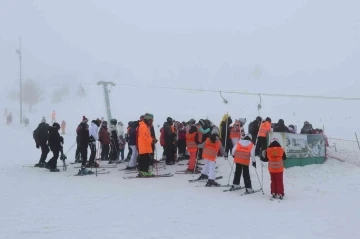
(100, 171)
(165, 175)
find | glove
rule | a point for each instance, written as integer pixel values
(37, 146)
(254, 164)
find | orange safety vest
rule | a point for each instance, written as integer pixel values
(275, 156)
(211, 149)
(242, 154)
(190, 142)
(264, 129)
(235, 134)
(200, 135)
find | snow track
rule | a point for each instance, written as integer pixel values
(321, 202)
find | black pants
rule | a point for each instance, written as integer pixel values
(129, 153)
(181, 147)
(114, 152)
(44, 152)
(83, 149)
(105, 151)
(244, 169)
(260, 145)
(92, 153)
(144, 162)
(53, 161)
(169, 151)
(199, 153)
(77, 153)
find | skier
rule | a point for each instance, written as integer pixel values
(9, 119)
(243, 151)
(53, 117)
(235, 132)
(204, 131)
(275, 155)
(162, 142)
(192, 146)
(122, 144)
(78, 158)
(114, 141)
(26, 121)
(153, 136)
(254, 128)
(63, 126)
(127, 140)
(181, 143)
(83, 142)
(93, 138)
(264, 129)
(55, 144)
(104, 139)
(145, 142)
(132, 144)
(307, 128)
(211, 147)
(225, 132)
(169, 135)
(41, 135)
(281, 127)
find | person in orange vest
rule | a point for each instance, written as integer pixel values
(53, 116)
(243, 152)
(211, 148)
(192, 142)
(275, 156)
(145, 142)
(264, 129)
(63, 126)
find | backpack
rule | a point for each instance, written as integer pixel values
(36, 135)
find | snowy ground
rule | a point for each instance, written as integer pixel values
(321, 202)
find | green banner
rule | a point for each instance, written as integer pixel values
(301, 149)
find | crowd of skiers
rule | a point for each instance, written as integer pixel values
(191, 140)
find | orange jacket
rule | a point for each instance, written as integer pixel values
(235, 132)
(144, 139)
(265, 128)
(242, 154)
(191, 143)
(275, 156)
(211, 150)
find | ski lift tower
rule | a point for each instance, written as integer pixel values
(106, 96)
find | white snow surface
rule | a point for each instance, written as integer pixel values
(321, 202)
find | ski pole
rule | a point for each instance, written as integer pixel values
(70, 148)
(259, 181)
(232, 166)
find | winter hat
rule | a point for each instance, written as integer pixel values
(43, 120)
(169, 120)
(147, 117)
(84, 119)
(268, 119)
(215, 130)
(258, 119)
(201, 122)
(274, 139)
(150, 115)
(142, 117)
(242, 120)
(56, 126)
(104, 123)
(192, 121)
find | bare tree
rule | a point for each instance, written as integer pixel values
(31, 93)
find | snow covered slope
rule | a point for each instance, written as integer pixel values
(321, 202)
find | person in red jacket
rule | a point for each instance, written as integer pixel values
(162, 142)
(104, 139)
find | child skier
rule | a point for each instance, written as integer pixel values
(211, 147)
(192, 147)
(275, 155)
(243, 151)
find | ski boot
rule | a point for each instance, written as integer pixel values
(84, 171)
(130, 168)
(249, 191)
(144, 174)
(202, 177)
(235, 187)
(212, 182)
(54, 170)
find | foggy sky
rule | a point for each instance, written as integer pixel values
(302, 47)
